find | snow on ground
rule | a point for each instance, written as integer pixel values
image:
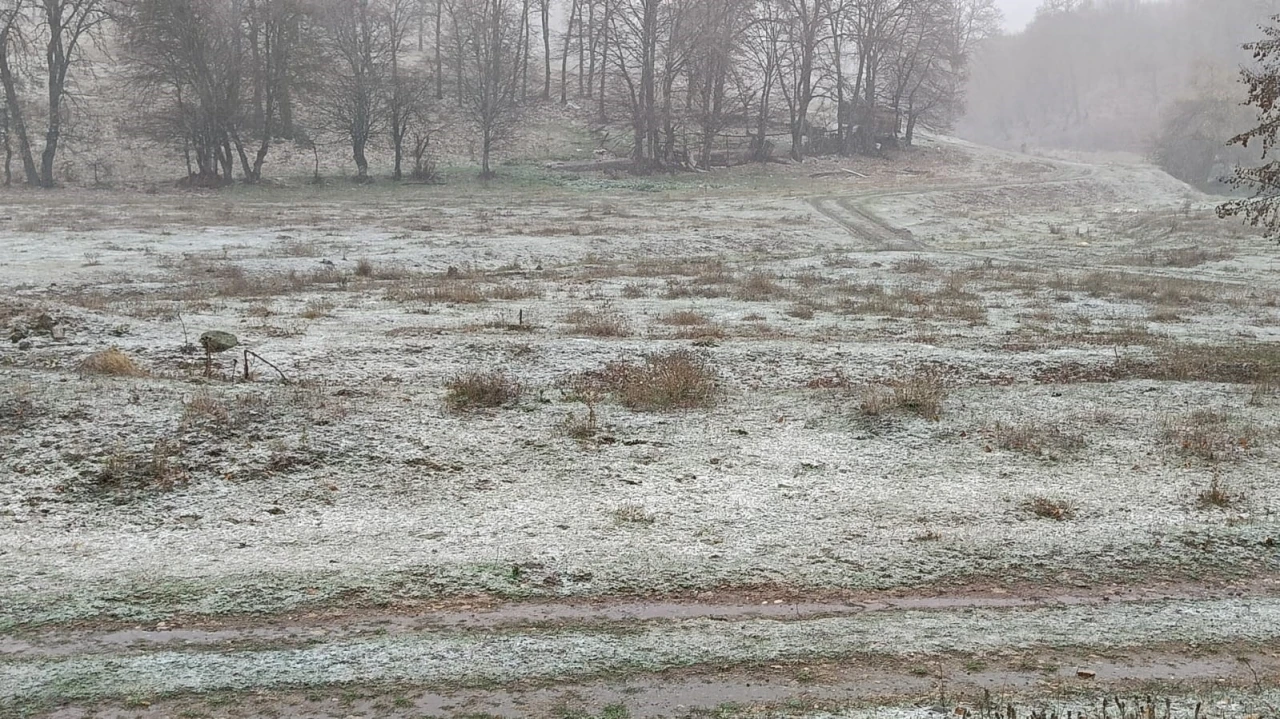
(359, 482)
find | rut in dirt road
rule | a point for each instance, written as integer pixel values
(443, 657)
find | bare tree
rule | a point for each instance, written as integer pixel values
(63, 28)
(405, 90)
(804, 25)
(12, 46)
(181, 65)
(763, 45)
(714, 50)
(351, 101)
(491, 78)
(544, 13)
(68, 26)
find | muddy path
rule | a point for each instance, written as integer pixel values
(938, 682)
(492, 614)
(856, 212)
(657, 658)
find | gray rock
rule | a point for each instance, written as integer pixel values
(24, 345)
(215, 341)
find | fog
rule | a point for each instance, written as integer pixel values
(1119, 75)
(1017, 13)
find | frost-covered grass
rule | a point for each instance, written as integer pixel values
(355, 480)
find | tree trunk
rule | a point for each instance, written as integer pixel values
(8, 149)
(486, 148)
(604, 55)
(593, 37)
(564, 56)
(545, 8)
(439, 56)
(362, 164)
(16, 121)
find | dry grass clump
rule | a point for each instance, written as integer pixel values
(949, 299)
(1256, 364)
(1217, 494)
(17, 408)
(915, 265)
(603, 322)
(685, 318)
(680, 267)
(476, 389)
(316, 309)
(800, 311)
(205, 408)
(1178, 257)
(634, 291)
(112, 363)
(1164, 291)
(702, 333)
(921, 393)
(1165, 314)
(514, 291)
(233, 281)
(633, 514)
(1263, 392)
(155, 469)
(582, 428)
(759, 287)
(1048, 508)
(835, 379)
(1036, 439)
(675, 380)
(452, 292)
(1210, 434)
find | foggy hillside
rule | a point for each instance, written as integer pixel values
(1115, 74)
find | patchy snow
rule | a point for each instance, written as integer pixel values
(360, 482)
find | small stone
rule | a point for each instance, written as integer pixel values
(24, 345)
(217, 341)
(59, 333)
(1086, 673)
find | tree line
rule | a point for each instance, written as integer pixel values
(221, 82)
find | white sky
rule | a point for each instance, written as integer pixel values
(1017, 13)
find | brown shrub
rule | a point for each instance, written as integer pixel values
(685, 318)
(479, 389)
(598, 323)
(921, 393)
(702, 333)
(633, 514)
(316, 309)
(514, 291)
(155, 469)
(800, 311)
(1211, 435)
(111, 362)
(673, 380)
(1046, 508)
(1036, 439)
(759, 287)
(633, 291)
(1217, 494)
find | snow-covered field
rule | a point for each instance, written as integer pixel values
(1103, 349)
